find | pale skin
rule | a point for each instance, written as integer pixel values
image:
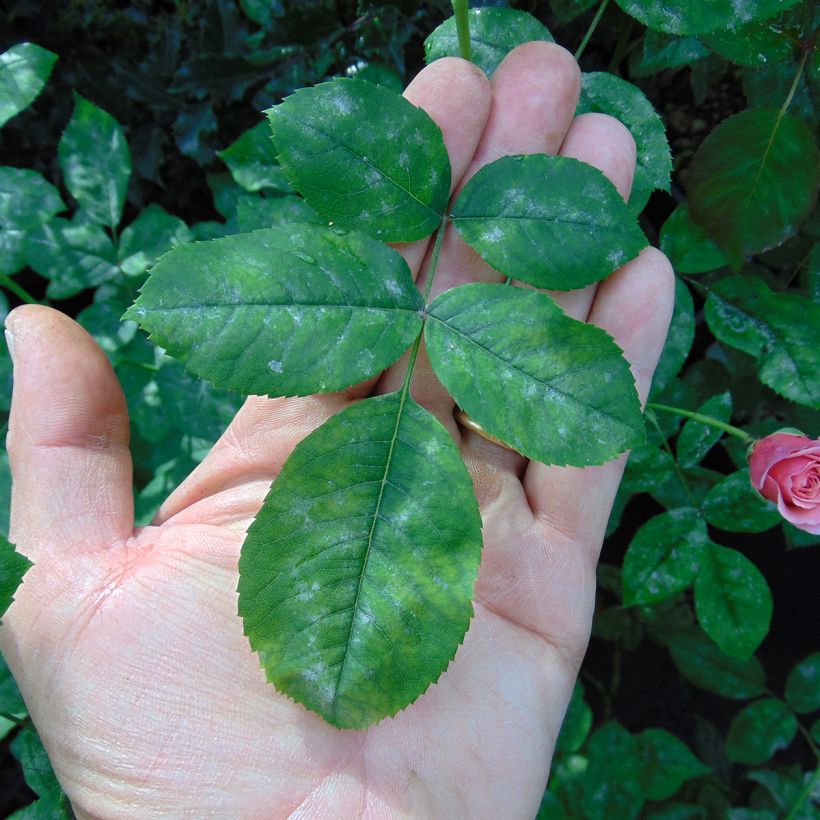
(126, 643)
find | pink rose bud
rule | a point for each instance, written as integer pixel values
(785, 468)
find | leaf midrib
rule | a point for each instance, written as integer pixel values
(326, 305)
(376, 517)
(514, 218)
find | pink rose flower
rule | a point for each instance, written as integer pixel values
(785, 468)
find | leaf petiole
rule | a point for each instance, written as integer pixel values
(463, 28)
(591, 30)
(20, 292)
(699, 417)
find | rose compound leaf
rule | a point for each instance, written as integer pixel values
(700, 16)
(754, 180)
(666, 764)
(494, 33)
(781, 330)
(555, 389)
(696, 439)
(74, 255)
(365, 158)
(608, 94)
(702, 663)
(759, 730)
(733, 505)
(689, 248)
(24, 70)
(96, 162)
(13, 567)
(664, 556)
(554, 222)
(733, 602)
(252, 161)
(284, 311)
(356, 578)
(678, 340)
(803, 685)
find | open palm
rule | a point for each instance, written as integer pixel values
(127, 645)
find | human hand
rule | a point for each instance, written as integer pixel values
(126, 644)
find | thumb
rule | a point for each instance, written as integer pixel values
(67, 440)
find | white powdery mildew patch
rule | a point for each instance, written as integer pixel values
(492, 235)
(393, 287)
(275, 366)
(343, 104)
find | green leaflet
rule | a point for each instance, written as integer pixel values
(96, 162)
(577, 723)
(664, 556)
(494, 33)
(678, 340)
(666, 763)
(689, 248)
(759, 730)
(754, 45)
(611, 785)
(40, 778)
(734, 505)
(662, 51)
(24, 70)
(781, 330)
(391, 180)
(802, 689)
(753, 181)
(733, 602)
(356, 577)
(700, 16)
(13, 566)
(696, 439)
(27, 199)
(553, 222)
(556, 389)
(609, 94)
(283, 311)
(252, 161)
(703, 663)
(151, 234)
(255, 212)
(74, 255)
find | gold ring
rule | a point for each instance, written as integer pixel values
(474, 427)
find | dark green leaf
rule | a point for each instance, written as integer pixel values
(357, 575)
(700, 661)
(689, 248)
(734, 505)
(568, 10)
(781, 330)
(284, 311)
(664, 556)
(696, 439)
(609, 94)
(5, 492)
(13, 567)
(699, 16)
(733, 602)
(26, 198)
(255, 212)
(554, 222)
(665, 764)
(24, 70)
(390, 179)
(754, 180)
(551, 808)
(577, 723)
(96, 162)
(803, 685)
(754, 45)
(768, 87)
(73, 255)
(611, 782)
(660, 51)
(679, 811)
(678, 340)
(556, 389)
(494, 33)
(647, 467)
(252, 161)
(378, 74)
(682, 490)
(759, 730)
(11, 701)
(39, 776)
(618, 626)
(150, 235)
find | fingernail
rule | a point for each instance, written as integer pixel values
(9, 343)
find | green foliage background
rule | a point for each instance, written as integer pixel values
(694, 701)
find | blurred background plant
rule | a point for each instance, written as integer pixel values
(128, 128)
